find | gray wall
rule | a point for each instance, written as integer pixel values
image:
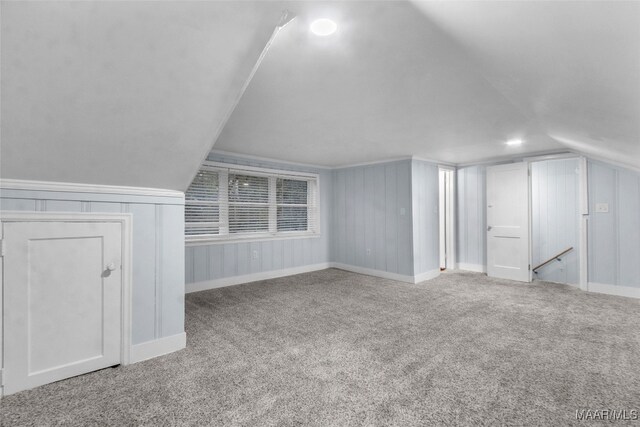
(471, 222)
(372, 225)
(425, 191)
(614, 237)
(222, 260)
(555, 218)
(158, 257)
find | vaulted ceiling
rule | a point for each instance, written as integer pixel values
(451, 81)
(135, 93)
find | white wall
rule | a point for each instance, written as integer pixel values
(425, 191)
(158, 256)
(614, 237)
(372, 217)
(471, 221)
(212, 265)
(555, 219)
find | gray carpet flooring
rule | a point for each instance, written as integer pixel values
(337, 348)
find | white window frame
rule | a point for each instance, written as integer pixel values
(224, 169)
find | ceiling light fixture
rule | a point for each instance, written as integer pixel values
(323, 27)
(514, 142)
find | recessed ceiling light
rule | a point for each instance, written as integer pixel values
(514, 142)
(323, 27)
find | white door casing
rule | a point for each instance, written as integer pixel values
(65, 307)
(508, 234)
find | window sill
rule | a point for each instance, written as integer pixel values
(248, 239)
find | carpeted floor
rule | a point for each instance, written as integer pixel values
(337, 348)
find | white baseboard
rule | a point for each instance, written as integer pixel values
(274, 274)
(477, 268)
(372, 272)
(247, 278)
(161, 346)
(422, 277)
(622, 291)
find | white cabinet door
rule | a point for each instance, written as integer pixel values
(508, 222)
(62, 300)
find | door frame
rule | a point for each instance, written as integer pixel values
(126, 221)
(583, 211)
(450, 203)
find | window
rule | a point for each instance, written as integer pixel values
(225, 203)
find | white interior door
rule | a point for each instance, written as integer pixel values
(508, 222)
(62, 300)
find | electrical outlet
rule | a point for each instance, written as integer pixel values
(602, 207)
(254, 254)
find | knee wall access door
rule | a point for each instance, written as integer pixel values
(62, 308)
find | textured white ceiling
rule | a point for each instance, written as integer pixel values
(450, 81)
(122, 93)
(133, 93)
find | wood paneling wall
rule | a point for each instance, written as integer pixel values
(555, 219)
(372, 217)
(158, 250)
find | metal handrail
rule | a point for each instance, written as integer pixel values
(553, 258)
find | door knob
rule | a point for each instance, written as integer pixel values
(111, 266)
(489, 228)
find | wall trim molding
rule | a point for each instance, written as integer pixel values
(274, 274)
(372, 272)
(68, 187)
(265, 159)
(476, 268)
(621, 291)
(373, 162)
(253, 277)
(158, 347)
(423, 277)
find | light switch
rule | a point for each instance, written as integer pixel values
(602, 207)
(403, 211)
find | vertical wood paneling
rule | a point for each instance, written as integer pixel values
(405, 226)
(614, 236)
(170, 282)
(379, 217)
(230, 267)
(63, 206)
(555, 218)
(369, 218)
(471, 215)
(391, 217)
(17, 204)
(368, 203)
(278, 255)
(603, 229)
(425, 217)
(358, 198)
(159, 255)
(216, 261)
(144, 273)
(629, 228)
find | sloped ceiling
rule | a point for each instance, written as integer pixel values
(134, 93)
(450, 81)
(122, 93)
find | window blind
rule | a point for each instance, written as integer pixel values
(230, 203)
